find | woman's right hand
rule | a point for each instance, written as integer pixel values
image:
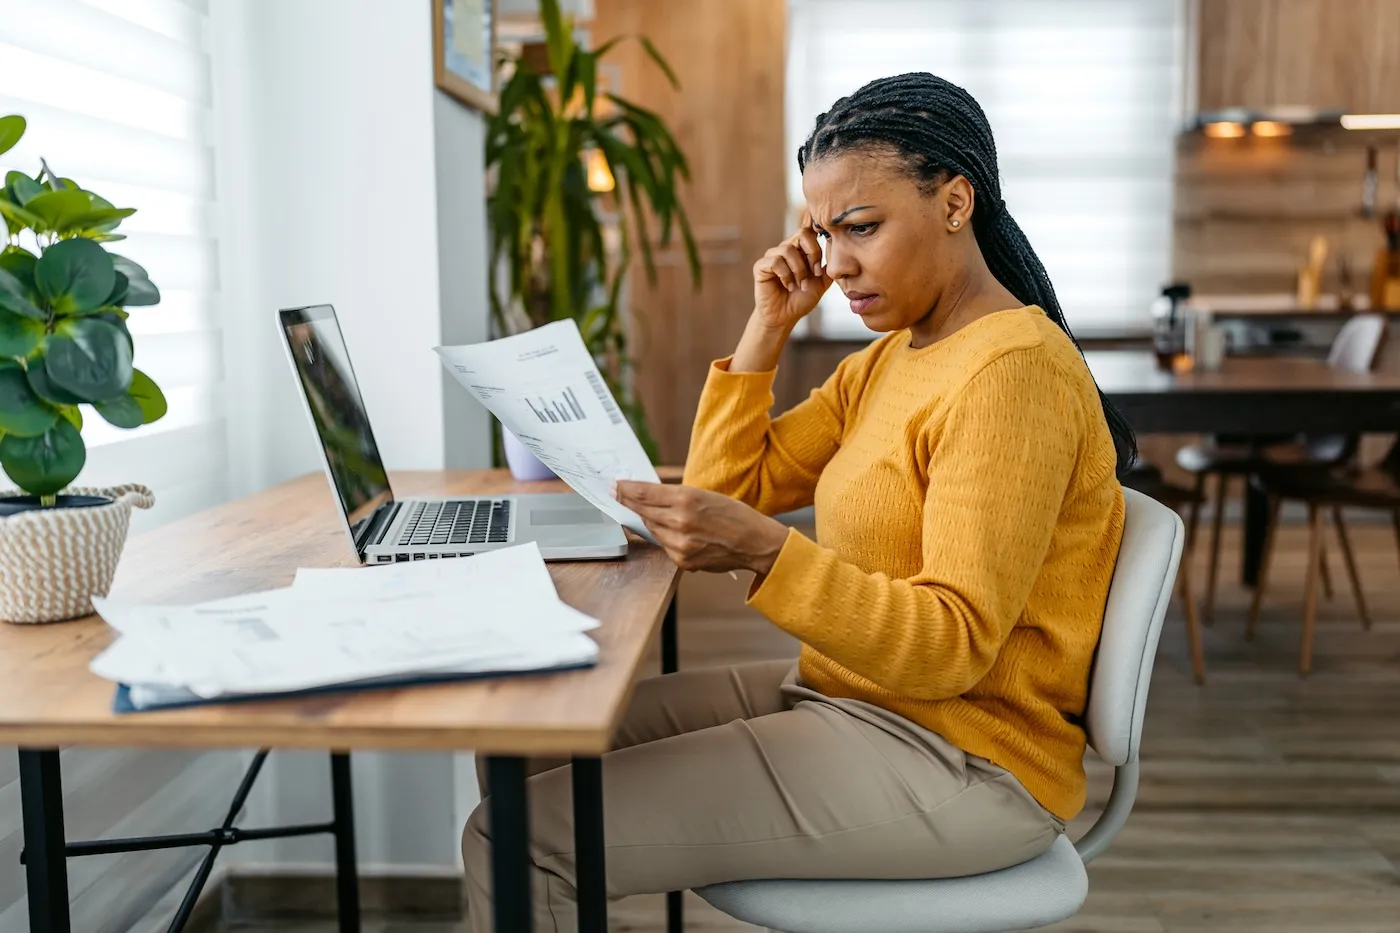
(790, 279)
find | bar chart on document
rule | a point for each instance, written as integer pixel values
(545, 388)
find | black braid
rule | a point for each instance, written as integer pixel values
(939, 132)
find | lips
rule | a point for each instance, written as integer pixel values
(861, 301)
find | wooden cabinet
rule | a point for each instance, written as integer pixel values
(1235, 53)
(1327, 54)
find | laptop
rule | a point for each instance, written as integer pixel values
(386, 529)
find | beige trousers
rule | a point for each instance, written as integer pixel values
(724, 774)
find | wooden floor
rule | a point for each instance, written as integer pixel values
(1269, 804)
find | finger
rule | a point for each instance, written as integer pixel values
(811, 247)
(673, 543)
(797, 262)
(638, 495)
(783, 272)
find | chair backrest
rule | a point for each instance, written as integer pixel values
(1354, 349)
(1138, 597)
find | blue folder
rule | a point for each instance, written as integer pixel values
(121, 700)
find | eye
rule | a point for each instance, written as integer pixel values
(863, 229)
(822, 234)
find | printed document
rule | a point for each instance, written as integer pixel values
(495, 613)
(545, 388)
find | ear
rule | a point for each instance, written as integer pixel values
(958, 195)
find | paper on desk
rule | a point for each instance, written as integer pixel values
(294, 639)
(492, 581)
(545, 388)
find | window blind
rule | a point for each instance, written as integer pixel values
(117, 96)
(1082, 96)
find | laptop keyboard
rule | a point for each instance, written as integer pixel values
(460, 521)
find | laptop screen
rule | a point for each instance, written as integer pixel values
(322, 366)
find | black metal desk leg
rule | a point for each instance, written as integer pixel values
(670, 649)
(590, 858)
(45, 856)
(347, 877)
(510, 844)
(670, 663)
(1256, 523)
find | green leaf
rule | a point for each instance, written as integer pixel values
(140, 291)
(90, 358)
(556, 38)
(73, 414)
(98, 221)
(148, 395)
(587, 64)
(19, 336)
(122, 411)
(44, 387)
(11, 129)
(118, 295)
(22, 413)
(661, 63)
(102, 204)
(14, 297)
(22, 188)
(45, 464)
(19, 262)
(56, 208)
(75, 275)
(18, 218)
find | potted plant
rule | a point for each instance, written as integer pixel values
(576, 175)
(64, 345)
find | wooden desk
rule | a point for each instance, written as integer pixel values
(49, 698)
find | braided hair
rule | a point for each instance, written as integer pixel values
(939, 131)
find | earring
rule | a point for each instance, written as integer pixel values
(956, 222)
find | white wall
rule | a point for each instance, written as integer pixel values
(344, 177)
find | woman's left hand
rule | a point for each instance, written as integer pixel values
(703, 530)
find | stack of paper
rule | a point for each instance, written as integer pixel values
(494, 613)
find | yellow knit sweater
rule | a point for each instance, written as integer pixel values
(968, 521)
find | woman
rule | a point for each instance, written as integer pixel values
(968, 521)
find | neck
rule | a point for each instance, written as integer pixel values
(973, 293)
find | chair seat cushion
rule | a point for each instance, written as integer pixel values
(1047, 889)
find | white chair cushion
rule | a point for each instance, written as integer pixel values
(1045, 890)
(1138, 597)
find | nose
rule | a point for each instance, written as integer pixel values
(840, 262)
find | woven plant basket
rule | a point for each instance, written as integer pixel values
(53, 561)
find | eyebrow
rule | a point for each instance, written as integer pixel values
(844, 214)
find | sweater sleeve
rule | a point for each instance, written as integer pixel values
(998, 471)
(771, 464)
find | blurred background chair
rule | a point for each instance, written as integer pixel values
(1353, 350)
(1326, 491)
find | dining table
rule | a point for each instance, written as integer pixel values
(1257, 395)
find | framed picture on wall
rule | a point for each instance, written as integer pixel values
(464, 51)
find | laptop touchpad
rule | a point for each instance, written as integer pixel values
(566, 517)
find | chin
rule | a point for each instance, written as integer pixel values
(883, 323)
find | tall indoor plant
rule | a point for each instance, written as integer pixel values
(64, 344)
(579, 177)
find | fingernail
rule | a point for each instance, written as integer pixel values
(613, 489)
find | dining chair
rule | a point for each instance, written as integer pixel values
(1353, 350)
(1149, 481)
(1051, 887)
(1375, 487)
